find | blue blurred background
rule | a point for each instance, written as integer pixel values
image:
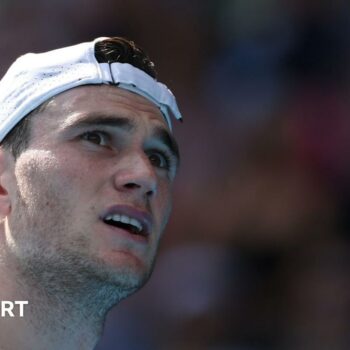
(256, 256)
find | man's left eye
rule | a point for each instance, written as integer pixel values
(96, 137)
(159, 160)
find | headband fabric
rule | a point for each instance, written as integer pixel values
(34, 78)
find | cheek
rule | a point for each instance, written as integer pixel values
(44, 182)
(36, 199)
(36, 170)
(33, 172)
(164, 203)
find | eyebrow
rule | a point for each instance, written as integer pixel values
(102, 119)
(126, 124)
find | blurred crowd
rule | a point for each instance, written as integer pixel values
(256, 254)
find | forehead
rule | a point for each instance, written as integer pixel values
(99, 99)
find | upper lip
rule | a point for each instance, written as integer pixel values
(142, 216)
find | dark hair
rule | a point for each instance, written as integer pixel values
(115, 49)
(121, 50)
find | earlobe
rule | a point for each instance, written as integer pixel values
(5, 202)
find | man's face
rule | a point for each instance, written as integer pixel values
(99, 167)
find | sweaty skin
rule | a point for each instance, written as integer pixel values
(93, 149)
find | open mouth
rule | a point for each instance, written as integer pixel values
(127, 223)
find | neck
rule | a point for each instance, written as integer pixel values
(57, 316)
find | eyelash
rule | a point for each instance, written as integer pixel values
(168, 158)
(103, 135)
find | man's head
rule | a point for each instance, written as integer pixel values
(86, 175)
(110, 50)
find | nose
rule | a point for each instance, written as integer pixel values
(135, 174)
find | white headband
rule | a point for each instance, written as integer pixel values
(34, 78)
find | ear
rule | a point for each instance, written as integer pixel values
(6, 174)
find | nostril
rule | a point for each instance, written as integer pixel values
(135, 186)
(149, 193)
(147, 188)
(132, 185)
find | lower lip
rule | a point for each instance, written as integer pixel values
(127, 235)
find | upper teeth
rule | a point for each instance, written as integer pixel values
(126, 220)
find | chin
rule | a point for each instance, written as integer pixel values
(126, 269)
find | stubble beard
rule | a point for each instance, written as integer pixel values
(61, 274)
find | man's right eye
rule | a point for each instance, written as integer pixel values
(97, 137)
